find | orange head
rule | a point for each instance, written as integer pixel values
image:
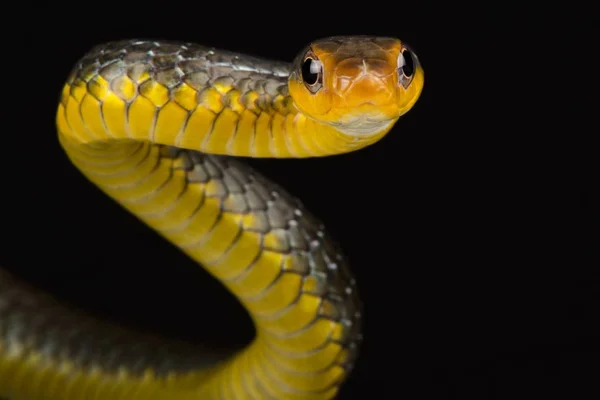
(358, 84)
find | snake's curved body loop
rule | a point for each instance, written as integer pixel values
(154, 125)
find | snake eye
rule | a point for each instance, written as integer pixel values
(312, 73)
(406, 67)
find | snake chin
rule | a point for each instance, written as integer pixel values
(364, 125)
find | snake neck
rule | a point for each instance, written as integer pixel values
(199, 103)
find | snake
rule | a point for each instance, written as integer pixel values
(161, 127)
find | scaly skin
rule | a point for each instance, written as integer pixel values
(152, 124)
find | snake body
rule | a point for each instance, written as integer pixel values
(154, 125)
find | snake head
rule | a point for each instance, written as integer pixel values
(359, 84)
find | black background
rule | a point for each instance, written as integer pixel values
(472, 227)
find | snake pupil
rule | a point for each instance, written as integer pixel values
(310, 71)
(409, 64)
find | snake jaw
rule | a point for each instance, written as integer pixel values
(364, 126)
